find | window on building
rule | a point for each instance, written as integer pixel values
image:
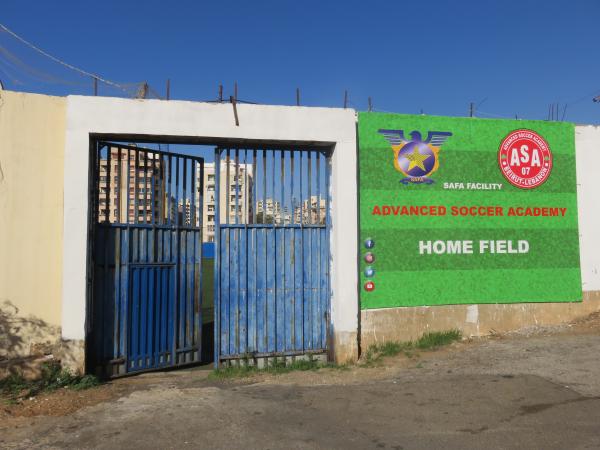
(211, 178)
(211, 218)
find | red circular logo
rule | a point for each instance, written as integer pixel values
(525, 159)
(369, 286)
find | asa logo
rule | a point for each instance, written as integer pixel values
(415, 158)
(525, 159)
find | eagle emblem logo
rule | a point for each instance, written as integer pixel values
(415, 158)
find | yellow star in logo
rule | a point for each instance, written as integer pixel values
(416, 159)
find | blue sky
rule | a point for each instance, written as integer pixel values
(510, 57)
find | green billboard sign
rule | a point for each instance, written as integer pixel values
(466, 210)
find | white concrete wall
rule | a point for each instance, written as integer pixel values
(587, 144)
(87, 115)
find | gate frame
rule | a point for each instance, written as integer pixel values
(186, 122)
(92, 193)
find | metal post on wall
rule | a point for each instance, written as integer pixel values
(232, 99)
(217, 292)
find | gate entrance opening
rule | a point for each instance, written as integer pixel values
(170, 231)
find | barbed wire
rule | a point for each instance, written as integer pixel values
(61, 62)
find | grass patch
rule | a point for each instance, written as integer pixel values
(275, 367)
(53, 377)
(437, 339)
(428, 341)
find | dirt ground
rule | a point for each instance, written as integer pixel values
(535, 388)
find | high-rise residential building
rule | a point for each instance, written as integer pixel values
(271, 211)
(235, 198)
(117, 184)
(313, 215)
(118, 200)
(185, 211)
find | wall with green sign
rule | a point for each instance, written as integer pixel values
(471, 236)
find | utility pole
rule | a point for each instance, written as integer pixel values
(95, 86)
(297, 96)
(168, 89)
(345, 99)
(471, 109)
(220, 93)
(370, 105)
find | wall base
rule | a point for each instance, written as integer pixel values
(409, 323)
(345, 347)
(27, 342)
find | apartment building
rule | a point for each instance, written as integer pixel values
(313, 214)
(119, 175)
(235, 200)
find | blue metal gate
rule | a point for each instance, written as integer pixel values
(272, 286)
(145, 253)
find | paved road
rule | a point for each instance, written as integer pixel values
(536, 393)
